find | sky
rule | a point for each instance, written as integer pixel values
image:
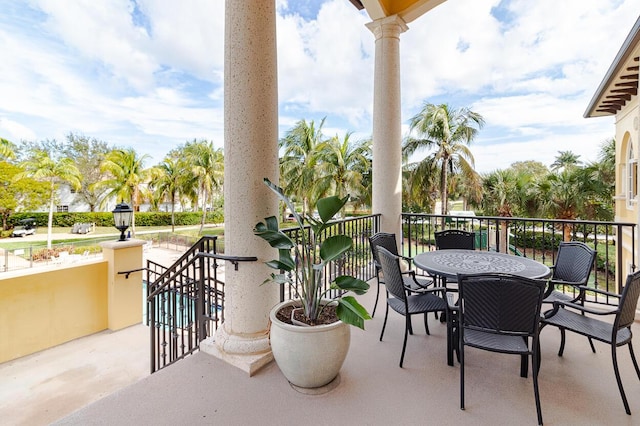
(148, 74)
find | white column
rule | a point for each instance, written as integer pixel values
(387, 132)
(251, 154)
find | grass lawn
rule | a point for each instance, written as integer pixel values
(105, 233)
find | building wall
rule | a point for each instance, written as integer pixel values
(627, 157)
(41, 309)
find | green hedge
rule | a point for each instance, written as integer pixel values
(63, 220)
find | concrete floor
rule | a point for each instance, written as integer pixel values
(104, 379)
(43, 387)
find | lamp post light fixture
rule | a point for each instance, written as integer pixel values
(122, 215)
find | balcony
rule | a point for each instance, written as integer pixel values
(578, 388)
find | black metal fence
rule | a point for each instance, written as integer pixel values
(185, 302)
(535, 238)
(357, 262)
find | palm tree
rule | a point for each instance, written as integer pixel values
(126, 178)
(564, 160)
(449, 131)
(562, 195)
(299, 161)
(340, 166)
(6, 149)
(420, 185)
(42, 167)
(207, 164)
(168, 183)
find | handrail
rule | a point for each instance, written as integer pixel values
(233, 259)
(131, 271)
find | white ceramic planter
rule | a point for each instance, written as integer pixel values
(309, 357)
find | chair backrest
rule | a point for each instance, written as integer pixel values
(390, 264)
(500, 303)
(629, 301)
(574, 262)
(455, 239)
(382, 239)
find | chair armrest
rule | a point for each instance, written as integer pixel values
(408, 259)
(562, 282)
(582, 308)
(603, 292)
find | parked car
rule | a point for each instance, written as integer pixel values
(26, 227)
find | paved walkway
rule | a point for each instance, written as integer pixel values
(41, 388)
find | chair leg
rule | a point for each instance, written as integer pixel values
(561, 351)
(593, 348)
(406, 332)
(426, 324)
(461, 354)
(536, 391)
(384, 324)
(614, 357)
(376, 303)
(633, 358)
(449, 340)
(524, 366)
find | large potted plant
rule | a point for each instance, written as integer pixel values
(310, 334)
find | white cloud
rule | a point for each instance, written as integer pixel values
(149, 74)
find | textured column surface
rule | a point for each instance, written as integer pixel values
(387, 120)
(251, 154)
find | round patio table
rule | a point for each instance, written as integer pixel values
(446, 264)
(449, 263)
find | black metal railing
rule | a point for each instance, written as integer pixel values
(535, 238)
(357, 262)
(185, 302)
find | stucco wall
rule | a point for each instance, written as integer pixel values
(44, 308)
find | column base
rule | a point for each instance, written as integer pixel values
(250, 354)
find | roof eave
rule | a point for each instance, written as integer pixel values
(619, 62)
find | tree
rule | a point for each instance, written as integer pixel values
(449, 131)
(207, 164)
(340, 166)
(6, 149)
(18, 193)
(562, 195)
(43, 167)
(126, 176)
(168, 183)
(88, 153)
(564, 160)
(420, 186)
(298, 165)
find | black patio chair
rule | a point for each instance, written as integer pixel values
(614, 334)
(455, 239)
(388, 241)
(573, 266)
(402, 299)
(500, 313)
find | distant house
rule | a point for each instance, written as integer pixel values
(617, 96)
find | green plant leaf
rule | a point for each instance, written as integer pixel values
(280, 193)
(349, 283)
(329, 206)
(278, 279)
(334, 246)
(351, 312)
(275, 238)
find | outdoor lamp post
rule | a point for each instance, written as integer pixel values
(122, 215)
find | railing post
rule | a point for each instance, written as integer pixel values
(201, 303)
